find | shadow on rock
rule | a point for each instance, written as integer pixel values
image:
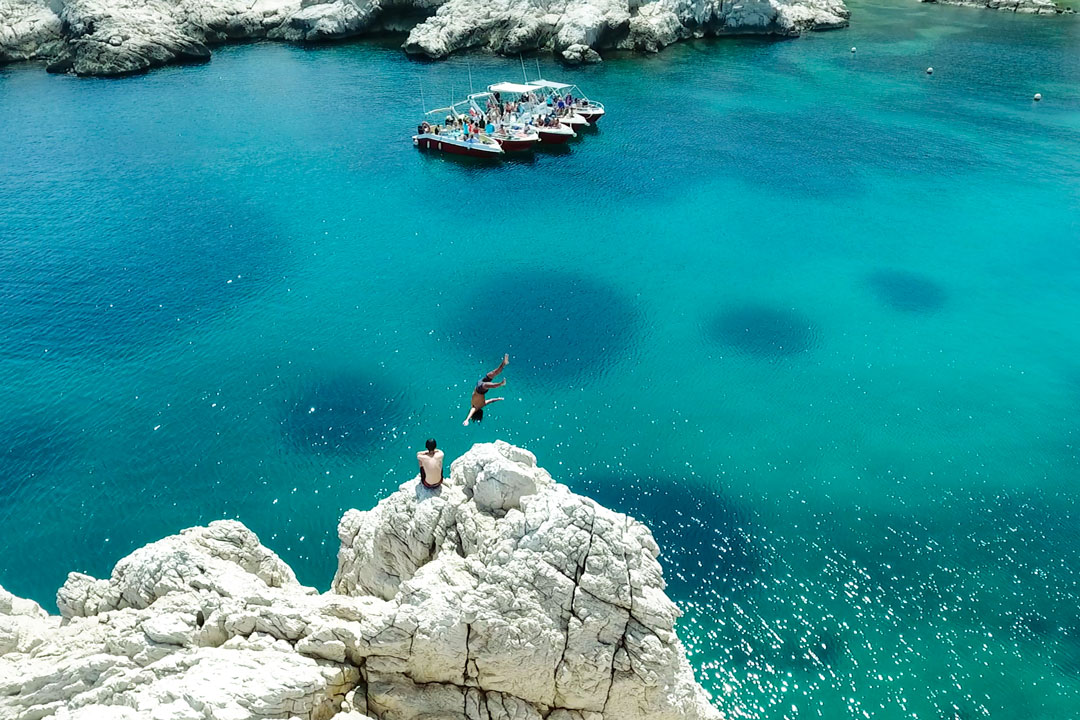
(557, 326)
(907, 291)
(704, 537)
(347, 413)
(764, 332)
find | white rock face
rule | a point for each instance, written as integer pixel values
(1031, 7)
(118, 37)
(511, 26)
(500, 595)
(29, 29)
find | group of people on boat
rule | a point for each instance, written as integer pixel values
(509, 117)
(469, 127)
(431, 458)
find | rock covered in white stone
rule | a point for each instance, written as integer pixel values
(523, 588)
(500, 594)
(663, 22)
(117, 37)
(224, 558)
(510, 26)
(1030, 7)
(23, 623)
(29, 29)
(578, 53)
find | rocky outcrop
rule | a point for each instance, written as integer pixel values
(1031, 7)
(510, 26)
(119, 37)
(29, 30)
(499, 596)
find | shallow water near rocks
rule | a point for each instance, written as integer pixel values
(811, 315)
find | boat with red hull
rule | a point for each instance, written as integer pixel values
(510, 130)
(555, 135)
(454, 137)
(483, 147)
(581, 106)
(517, 143)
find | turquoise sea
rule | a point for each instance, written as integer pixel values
(814, 316)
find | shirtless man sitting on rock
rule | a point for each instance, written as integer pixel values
(431, 463)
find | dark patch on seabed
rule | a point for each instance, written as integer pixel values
(345, 413)
(705, 538)
(560, 326)
(31, 445)
(764, 332)
(907, 291)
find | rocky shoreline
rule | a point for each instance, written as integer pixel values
(122, 37)
(499, 596)
(1029, 7)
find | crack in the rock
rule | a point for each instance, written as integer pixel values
(465, 670)
(573, 597)
(622, 638)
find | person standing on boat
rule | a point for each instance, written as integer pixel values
(431, 465)
(479, 399)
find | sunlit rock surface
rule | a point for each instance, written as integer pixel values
(500, 595)
(1031, 7)
(120, 37)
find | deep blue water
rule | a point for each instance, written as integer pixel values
(813, 316)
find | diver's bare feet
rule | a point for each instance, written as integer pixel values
(506, 359)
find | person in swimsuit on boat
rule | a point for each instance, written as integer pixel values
(431, 464)
(479, 401)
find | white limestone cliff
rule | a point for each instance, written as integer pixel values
(119, 37)
(499, 596)
(29, 30)
(510, 26)
(1029, 7)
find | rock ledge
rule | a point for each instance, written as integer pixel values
(499, 596)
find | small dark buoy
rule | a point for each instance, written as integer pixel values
(929, 71)
(1038, 97)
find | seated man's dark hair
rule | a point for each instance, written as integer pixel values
(430, 444)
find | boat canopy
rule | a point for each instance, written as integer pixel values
(550, 84)
(509, 87)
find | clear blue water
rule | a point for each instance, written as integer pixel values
(815, 317)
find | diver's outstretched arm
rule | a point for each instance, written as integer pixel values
(472, 411)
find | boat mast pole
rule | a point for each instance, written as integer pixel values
(470, 77)
(523, 75)
(422, 103)
(538, 75)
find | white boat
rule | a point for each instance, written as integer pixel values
(580, 105)
(511, 131)
(534, 112)
(430, 135)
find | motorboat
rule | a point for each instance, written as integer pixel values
(454, 141)
(511, 131)
(557, 134)
(533, 112)
(580, 105)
